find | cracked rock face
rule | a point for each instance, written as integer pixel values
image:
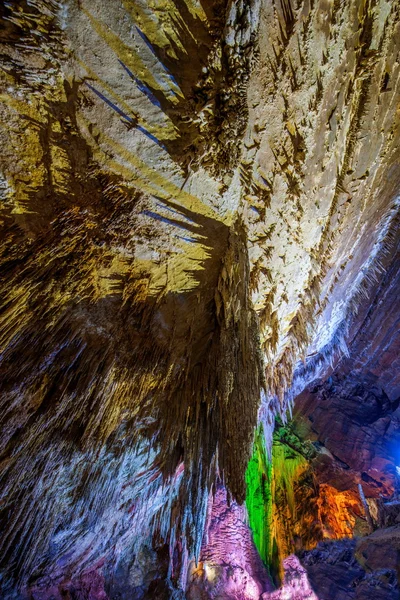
(199, 210)
(338, 571)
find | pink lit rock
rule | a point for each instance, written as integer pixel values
(89, 586)
(229, 567)
(295, 586)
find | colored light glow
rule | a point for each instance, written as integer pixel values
(209, 572)
(263, 478)
(259, 498)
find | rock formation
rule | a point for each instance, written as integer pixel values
(199, 212)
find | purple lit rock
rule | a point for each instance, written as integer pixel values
(229, 567)
(295, 585)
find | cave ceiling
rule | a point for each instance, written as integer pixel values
(198, 200)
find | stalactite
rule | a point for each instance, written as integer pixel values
(198, 201)
(259, 498)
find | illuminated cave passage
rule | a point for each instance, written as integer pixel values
(200, 307)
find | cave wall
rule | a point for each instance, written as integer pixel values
(199, 210)
(344, 433)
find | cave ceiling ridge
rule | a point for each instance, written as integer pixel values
(196, 199)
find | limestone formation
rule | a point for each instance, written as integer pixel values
(199, 212)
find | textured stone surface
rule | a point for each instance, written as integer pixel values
(335, 573)
(229, 566)
(194, 197)
(381, 550)
(345, 432)
(296, 585)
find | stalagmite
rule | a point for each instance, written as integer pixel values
(366, 508)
